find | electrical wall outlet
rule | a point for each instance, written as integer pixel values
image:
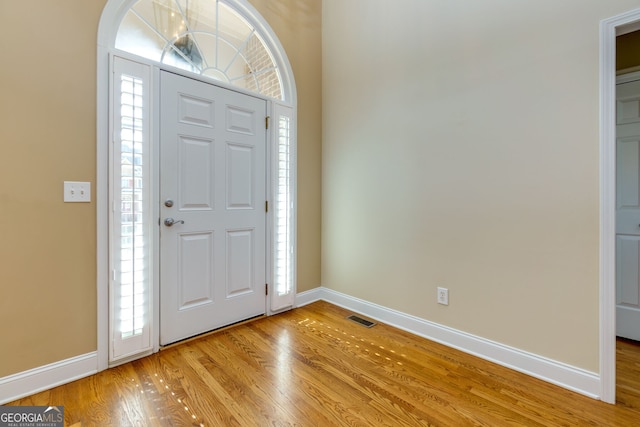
(77, 192)
(443, 296)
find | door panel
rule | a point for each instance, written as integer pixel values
(213, 169)
(628, 210)
(196, 158)
(240, 176)
(196, 111)
(240, 263)
(195, 280)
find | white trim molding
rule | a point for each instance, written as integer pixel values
(628, 77)
(35, 380)
(552, 371)
(609, 29)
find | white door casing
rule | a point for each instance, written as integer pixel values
(628, 209)
(213, 186)
(109, 25)
(610, 28)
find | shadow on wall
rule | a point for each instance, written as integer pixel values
(304, 13)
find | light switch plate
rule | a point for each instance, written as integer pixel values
(77, 192)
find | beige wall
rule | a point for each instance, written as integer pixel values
(298, 26)
(461, 150)
(48, 135)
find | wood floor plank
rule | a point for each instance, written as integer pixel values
(313, 367)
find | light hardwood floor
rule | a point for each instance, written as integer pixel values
(312, 367)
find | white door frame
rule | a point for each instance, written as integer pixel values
(609, 29)
(112, 14)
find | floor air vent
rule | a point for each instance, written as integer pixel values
(360, 320)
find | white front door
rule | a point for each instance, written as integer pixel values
(628, 210)
(212, 195)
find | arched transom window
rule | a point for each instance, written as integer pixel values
(206, 37)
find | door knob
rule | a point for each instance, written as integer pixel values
(170, 221)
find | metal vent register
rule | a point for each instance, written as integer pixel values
(360, 320)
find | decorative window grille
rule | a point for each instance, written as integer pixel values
(130, 244)
(206, 37)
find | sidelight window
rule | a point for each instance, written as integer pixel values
(284, 251)
(130, 245)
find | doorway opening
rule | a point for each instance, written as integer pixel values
(628, 186)
(610, 29)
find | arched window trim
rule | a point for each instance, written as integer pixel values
(113, 13)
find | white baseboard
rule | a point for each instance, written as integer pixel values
(45, 377)
(307, 297)
(558, 373)
(25, 383)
